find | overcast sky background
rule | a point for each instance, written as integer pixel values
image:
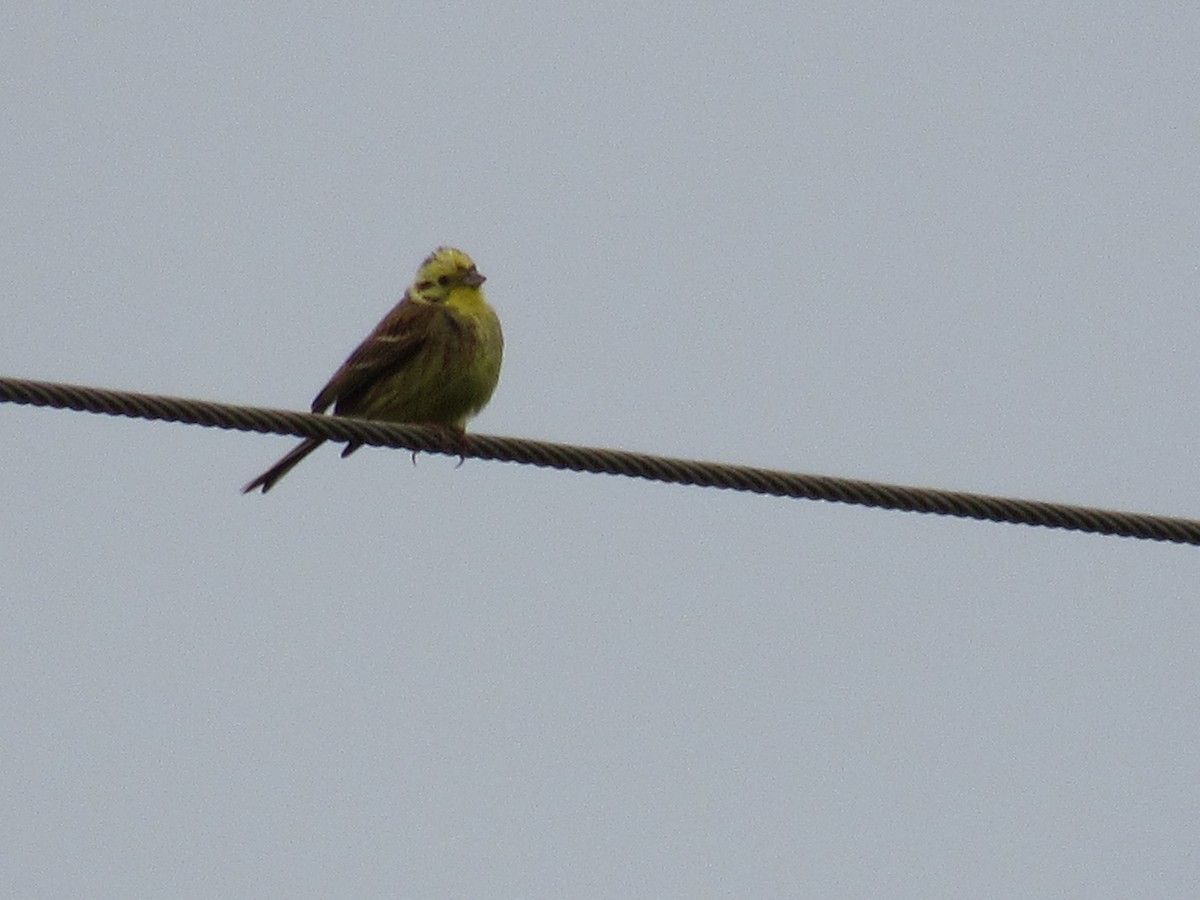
(943, 244)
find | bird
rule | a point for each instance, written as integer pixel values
(433, 359)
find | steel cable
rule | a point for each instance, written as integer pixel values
(602, 461)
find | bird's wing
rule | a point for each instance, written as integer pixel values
(387, 350)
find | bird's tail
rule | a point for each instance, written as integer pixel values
(268, 478)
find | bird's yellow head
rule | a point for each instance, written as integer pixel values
(444, 271)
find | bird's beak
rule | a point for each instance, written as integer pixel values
(474, 278)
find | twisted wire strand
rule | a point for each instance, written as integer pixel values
(601, 461)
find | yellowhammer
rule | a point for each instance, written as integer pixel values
(434, 359)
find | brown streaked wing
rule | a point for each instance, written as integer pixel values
(387, 350)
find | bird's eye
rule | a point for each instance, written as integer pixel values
(443, 280)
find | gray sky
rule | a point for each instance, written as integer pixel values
(935, 243)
